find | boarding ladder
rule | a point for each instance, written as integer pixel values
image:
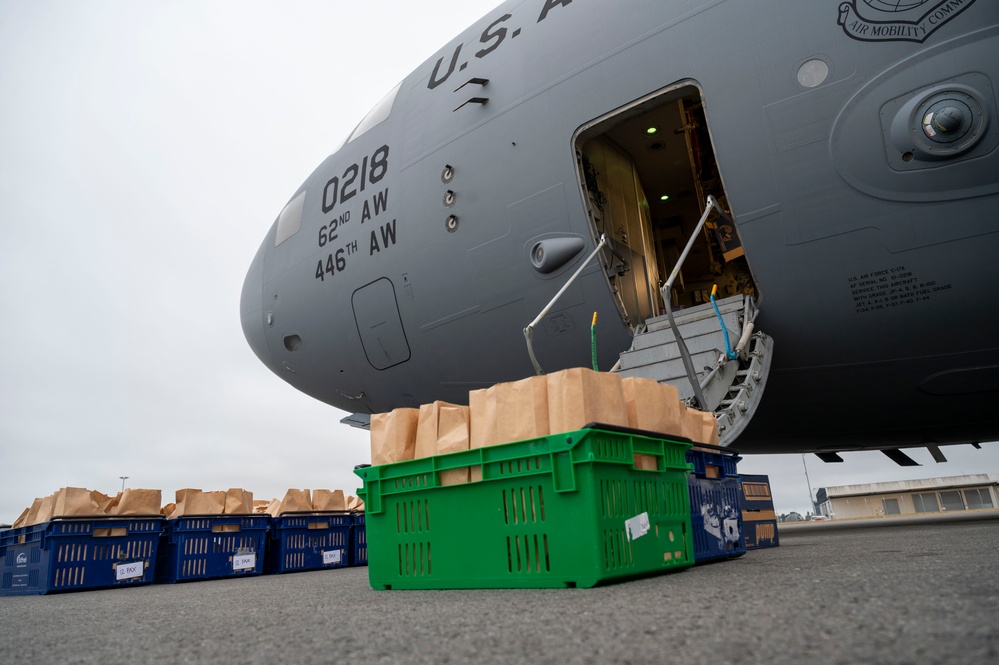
(692, 350)
(730, 387)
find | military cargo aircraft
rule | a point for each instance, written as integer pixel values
(787, 209)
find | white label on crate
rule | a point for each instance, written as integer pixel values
(637, 526)
(244, 561)
(732, 534)
(332, 556)
(22, 559)
(128, 571)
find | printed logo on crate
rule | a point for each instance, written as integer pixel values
(22, 559)
(722, 522)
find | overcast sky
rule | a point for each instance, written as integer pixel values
(145, 149)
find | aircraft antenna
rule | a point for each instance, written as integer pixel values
(593, 342)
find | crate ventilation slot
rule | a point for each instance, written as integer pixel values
(522, 505)
(524, 554)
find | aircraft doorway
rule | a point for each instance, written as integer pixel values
(646, 171)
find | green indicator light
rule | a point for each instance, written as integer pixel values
(651, 130)
(664, 197)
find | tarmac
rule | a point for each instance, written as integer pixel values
(907, 591)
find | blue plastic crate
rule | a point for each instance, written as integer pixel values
(713, 463)
(72, 554)
(212, 546)
(358, 541)
(715, 503)
(308, 541)
(756, 493)
(715, 518)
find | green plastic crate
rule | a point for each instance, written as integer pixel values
(567, 510)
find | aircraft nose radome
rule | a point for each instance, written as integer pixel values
(251, 308)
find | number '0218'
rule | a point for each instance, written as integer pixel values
(355, 178)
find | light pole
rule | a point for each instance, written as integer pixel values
(124, 478)
(809, 482)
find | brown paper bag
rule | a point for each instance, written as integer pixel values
(218, 497)
(76, 502)
(652, 406)
(192, 501)
(579, 396)
(700, 426)
(273, 508)
(108, 502)
(20, 521)
(167, 510)
(238, 501)
(40, 511)
(32, 517)
(260, 506)
(509, 412)
(428, 429)
(138, 502)
(111, 503)
(393, 436)
(296, 501)
(355, 504)
(325, 500)
(452, 437)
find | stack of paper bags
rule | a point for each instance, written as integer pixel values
(191, 501)
(135, 501)
(328, 500)
(80, 502)
(580, 396)
(433, 429)
(442, 428)
(700, 426)
(296, 501)
(393, 436)
(652, 407)
(307, 501)
(508, 412)
(532, 408)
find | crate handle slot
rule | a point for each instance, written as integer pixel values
(225, 528)
(116, 532)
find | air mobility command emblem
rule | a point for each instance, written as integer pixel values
(897, 20)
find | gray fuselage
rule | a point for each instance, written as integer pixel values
(401, 272)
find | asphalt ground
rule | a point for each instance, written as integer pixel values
(910, 591)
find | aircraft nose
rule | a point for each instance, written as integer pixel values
(251, 309)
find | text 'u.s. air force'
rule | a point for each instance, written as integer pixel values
(495, 34)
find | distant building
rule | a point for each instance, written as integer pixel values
(910, 497)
